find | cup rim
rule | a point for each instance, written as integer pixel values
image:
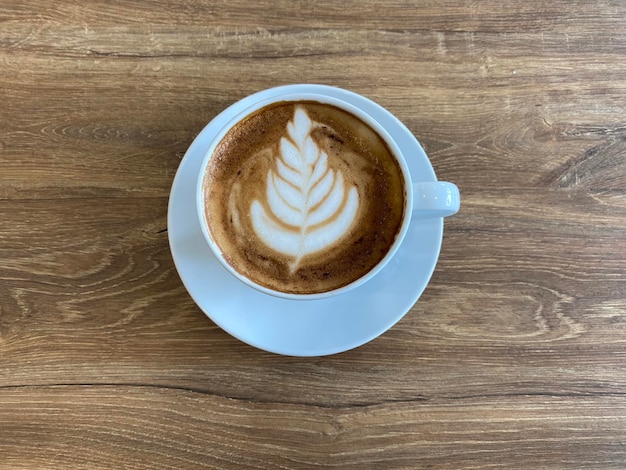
(289, 94)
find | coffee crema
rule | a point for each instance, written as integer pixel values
(303, 197)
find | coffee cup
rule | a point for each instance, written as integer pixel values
(303, 195)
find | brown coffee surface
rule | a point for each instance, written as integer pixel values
(273, 235)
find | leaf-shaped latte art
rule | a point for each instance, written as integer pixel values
(310, 207)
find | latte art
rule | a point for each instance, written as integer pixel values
(310, 206)
(303, 197)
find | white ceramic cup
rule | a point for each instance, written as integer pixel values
(424, 199)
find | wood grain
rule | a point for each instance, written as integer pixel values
(512, 358)
(208, 431)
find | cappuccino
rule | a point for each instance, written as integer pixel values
(303, 197)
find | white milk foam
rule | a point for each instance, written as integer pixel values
(310, 206)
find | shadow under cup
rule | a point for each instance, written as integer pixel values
(433, 199)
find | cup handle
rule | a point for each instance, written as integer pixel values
(435, 199)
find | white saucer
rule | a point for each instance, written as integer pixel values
(292, 327)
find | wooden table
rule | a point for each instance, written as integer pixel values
(514, 357)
